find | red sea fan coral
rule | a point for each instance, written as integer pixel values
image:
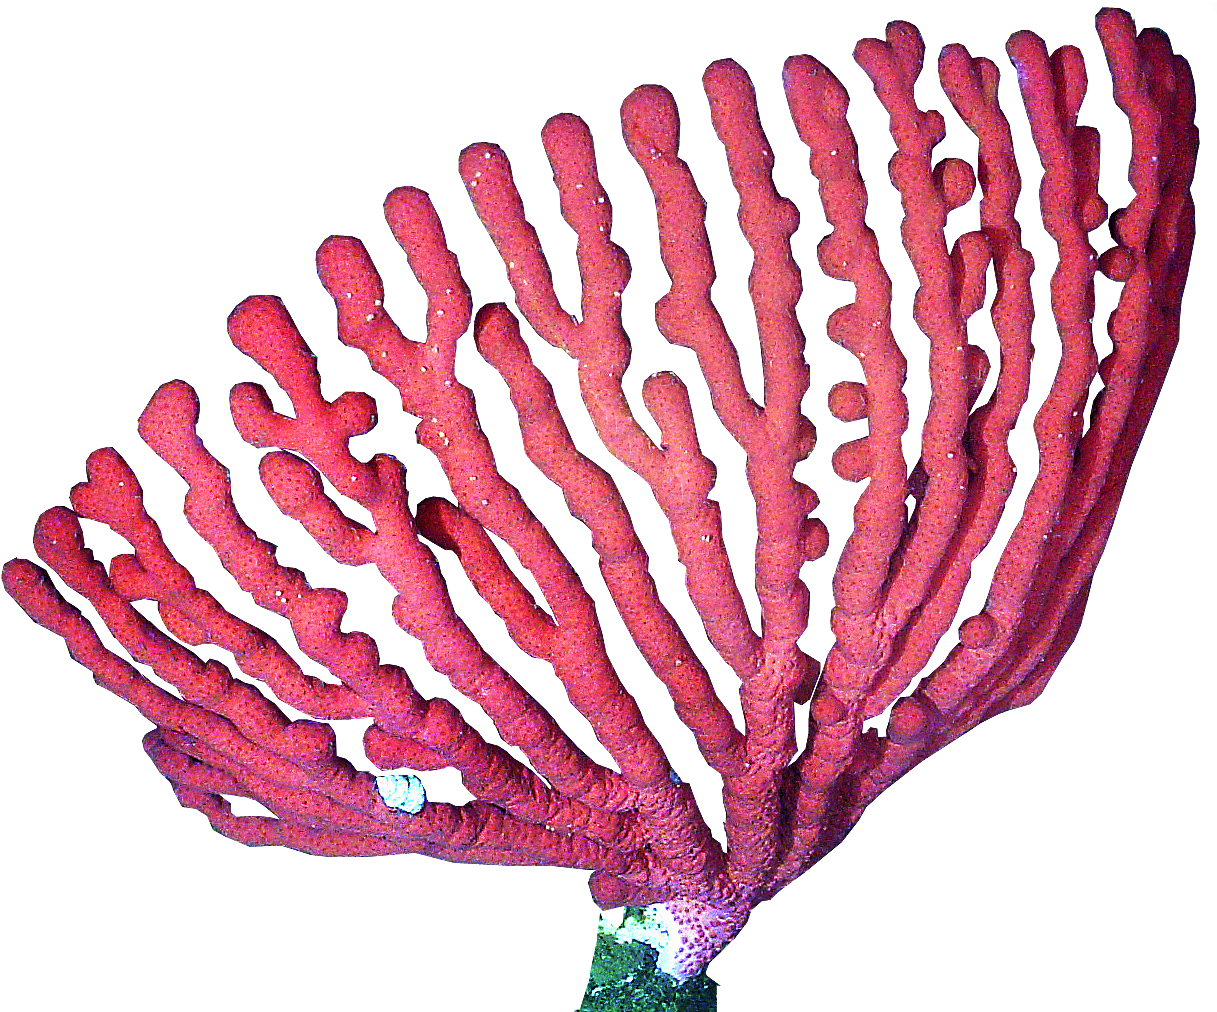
(907, 564)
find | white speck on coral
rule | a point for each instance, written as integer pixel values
(370, 317)
(402, 792)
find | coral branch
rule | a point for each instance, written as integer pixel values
(915, 660)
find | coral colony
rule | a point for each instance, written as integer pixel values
(674, 896)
